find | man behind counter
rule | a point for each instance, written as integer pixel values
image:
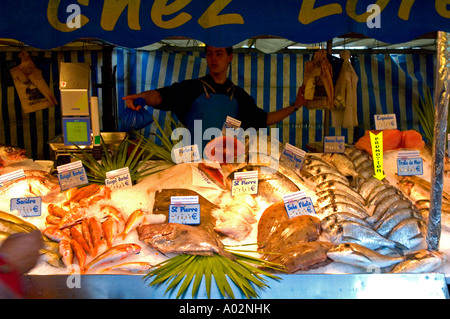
(213, 97)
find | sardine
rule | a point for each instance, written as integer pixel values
(113, 254)
(358, 255)
(352, 232)
(421, 261)
(409, 232)
(342, 207)
(179, 238)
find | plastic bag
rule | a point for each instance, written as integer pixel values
(136, 119)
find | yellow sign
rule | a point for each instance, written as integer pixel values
(377, 153)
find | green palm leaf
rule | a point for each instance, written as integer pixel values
(244, 271)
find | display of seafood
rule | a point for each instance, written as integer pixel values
(358, 221)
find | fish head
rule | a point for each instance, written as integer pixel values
(12, 154)
(334, 232)
(44, 188)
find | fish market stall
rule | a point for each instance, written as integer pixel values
(265, 226)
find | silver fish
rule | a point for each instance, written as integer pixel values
(326, 177)
(402, 203)
(383, 193)
(368, 185)
(409, 232)
(342, 162)
(366, 165)
(385, 225)
(321, 169)
(332, 192)
(421, 261)
(353, 152)
(340, 207)
(337, 198)
(339, 186)
(332, 219)
(359, 159)
(381, 208)
(352, 232)
(361, 256)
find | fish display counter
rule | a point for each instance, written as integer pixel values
(355, 235)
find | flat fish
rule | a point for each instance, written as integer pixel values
(181, 239)
(303, 256)
(271, 219)
(299, 229)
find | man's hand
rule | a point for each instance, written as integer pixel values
(21, 250)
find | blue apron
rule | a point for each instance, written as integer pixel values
(212, 109)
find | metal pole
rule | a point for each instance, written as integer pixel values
(441, 98)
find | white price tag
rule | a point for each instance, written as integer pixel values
(186, 154)
(118, 178)
(297, 204)
(71, 175)
(184, 210)
(385, 122)
(245, 183)
(409, 163)
(334, 144)
(293, 157)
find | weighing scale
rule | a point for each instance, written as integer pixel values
(79, 113)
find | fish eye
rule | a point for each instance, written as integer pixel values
(183, 232)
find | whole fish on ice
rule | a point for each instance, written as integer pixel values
(31, 186)
(358, 255)
(181, 239)
(421, 261)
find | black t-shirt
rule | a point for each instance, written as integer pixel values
(179, 97)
